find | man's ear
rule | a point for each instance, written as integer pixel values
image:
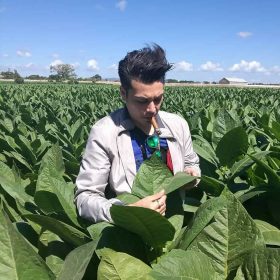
(123, 93)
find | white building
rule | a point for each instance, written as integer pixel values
(233, 81)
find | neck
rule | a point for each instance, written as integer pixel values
(148, 129)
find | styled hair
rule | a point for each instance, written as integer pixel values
(146, 65)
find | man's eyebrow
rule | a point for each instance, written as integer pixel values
(146, 98)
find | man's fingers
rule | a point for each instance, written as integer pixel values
(162, 209)
(157, 195)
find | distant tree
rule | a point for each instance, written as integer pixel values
(186, 82)
(17, 78)
(54, 78)
(63, 71)
(8, 74)
(96, 78)
(73, 81)
(35, 77)
(171, 81)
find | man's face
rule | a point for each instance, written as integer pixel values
(143, 102)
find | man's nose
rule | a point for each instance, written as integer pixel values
(151, 107)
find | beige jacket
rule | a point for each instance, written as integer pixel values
(109, 160)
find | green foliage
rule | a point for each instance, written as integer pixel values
(224, 229)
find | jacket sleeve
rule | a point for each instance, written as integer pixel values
(92, 180)
(191, 159)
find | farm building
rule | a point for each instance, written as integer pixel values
(233, 81)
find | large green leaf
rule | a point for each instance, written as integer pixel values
(53, 250)
(54, 195)
(203, 148)
(53, 160)
(270, 233)
(153, 228)
(260, 265)
(180, 179)
(202, 218)
(77, 261)
(154, 176)
(250, 193)
(11, 142)
(174, 213)
(276, 130)
(232, 145)
(211, 186)
(13, 215)
(150, 177)
(229, 237)
(273, 177)
(18, 260)
(204, 153)
(7, 124)
(121, 266)
(20, 159)
(223, 123)
(128, 198)
(243, 164)
(26, 149)
(179, 264)
(113, 237)
(13, 184)
(64, 231)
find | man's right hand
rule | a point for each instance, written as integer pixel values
(155, 202)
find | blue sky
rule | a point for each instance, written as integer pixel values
(206, 40)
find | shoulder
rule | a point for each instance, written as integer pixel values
(176, 124)
(112, 120)
(108, 125)
(172, 118)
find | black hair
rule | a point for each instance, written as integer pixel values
(146, 65)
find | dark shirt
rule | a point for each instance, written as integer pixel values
(142, 151)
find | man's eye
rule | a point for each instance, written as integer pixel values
(142, 101)
(158, 100)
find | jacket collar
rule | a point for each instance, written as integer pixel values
(125, 124)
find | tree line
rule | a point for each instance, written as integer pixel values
(59, 73)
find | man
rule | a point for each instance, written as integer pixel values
(117, 143)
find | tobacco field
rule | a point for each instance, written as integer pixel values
(227, 228)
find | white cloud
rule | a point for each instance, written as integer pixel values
(30, 65)
(183, 66)
(4, 55)
(244, 34)
(92, 64)
(113, 67)
(23, 53)
(247, 66)
(56, 62)
(55, 55)
(210, 66)
(121, 5)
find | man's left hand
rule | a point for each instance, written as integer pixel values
(192, 171)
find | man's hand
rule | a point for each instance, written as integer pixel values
(192, 171)
(155, 202)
